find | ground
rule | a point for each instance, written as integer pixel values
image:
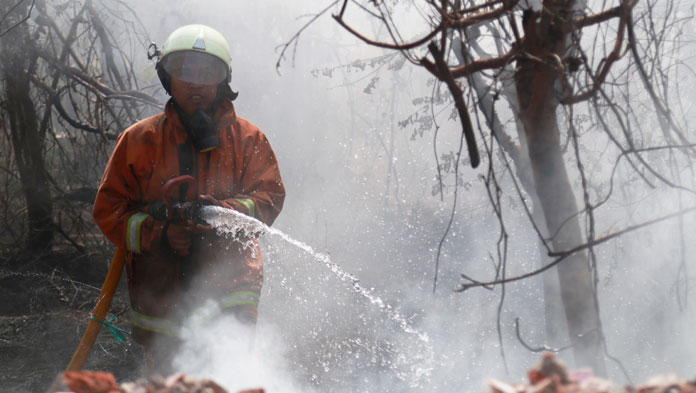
(45, 306)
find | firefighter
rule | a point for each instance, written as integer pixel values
(181, 274)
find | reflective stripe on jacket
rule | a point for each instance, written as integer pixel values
(242, 173)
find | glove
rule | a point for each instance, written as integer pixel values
(152, 233)
(181, 211)
(179, 235)
(209, 200)
(179, 238)
(158, 210)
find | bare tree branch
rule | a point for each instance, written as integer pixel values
(386, 45)
(604, 16)
(485, 64)
(97, 87)
(464, 22)
(55, 101)
(607, 62)
(26, 18)
(295, 38)
(562, 255)
(468, 130)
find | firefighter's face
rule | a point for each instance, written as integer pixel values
(194, 79)
(191, 96)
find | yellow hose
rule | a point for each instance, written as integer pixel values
(100, 309)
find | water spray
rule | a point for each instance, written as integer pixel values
(230, 223)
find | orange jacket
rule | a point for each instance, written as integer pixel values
(242, 174)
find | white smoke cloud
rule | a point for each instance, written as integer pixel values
(238, 356)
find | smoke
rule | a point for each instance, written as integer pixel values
(238, 356)
(356, 155)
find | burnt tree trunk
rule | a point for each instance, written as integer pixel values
(546, 38)
(17, 62)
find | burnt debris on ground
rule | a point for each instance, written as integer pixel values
(46, 304)
(549, 376)
(102, 382)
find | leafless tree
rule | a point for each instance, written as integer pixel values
(572, 73)
(69, 87)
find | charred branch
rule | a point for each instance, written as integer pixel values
(458, 13)
(565, 254)
(443, 73)
(97, 87)
(541, 348)
(295, 38)
(455, 20)
(108, 50)
(55, 100)
(485, 64)
(81, 82)
(483, 16)
(666, 120)
(605, 65)
(66, 40)
(26, 18)
(67, 50)
(387, 45)
(604, 16)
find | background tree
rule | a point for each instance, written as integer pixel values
(68, 88)
(558, 64)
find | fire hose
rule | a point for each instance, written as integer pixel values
(174, 211)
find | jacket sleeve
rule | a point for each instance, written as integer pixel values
(262, 191)
(116, 208)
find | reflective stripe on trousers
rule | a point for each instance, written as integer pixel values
(201, 315)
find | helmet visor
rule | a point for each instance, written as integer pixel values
(195, 67)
